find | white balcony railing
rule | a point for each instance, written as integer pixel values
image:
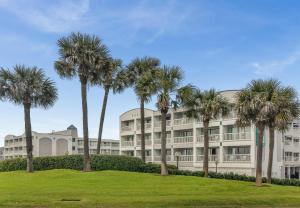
(157, 124)
(147, 142)
(237, 158)
(184, 158)
(127, 128)
(157, 158)
(147, 126)
(182, 121)
(127, 143)
(296, 159)
(288, 158)
(212, 138)
(210, 158)
(158, 140)
(237, 136)
(186, 139)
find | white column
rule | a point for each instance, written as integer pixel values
(53, 146)
(221, 141)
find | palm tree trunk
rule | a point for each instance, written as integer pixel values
(206, 145)
(87, 159)
(143, 154)
(259, 156)
(102, 119)
(164, 168)
(271, 149)
(28, 134)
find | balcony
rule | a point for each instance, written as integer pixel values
(184, 158)
(182, 121)
(127, 128)
(127, 143)
(147, 126)
(211, 158)
(158, 140)
(288, 158)
(158, 124)
(147, 142)
(237, 136)
(237, 158)
(158, 158)
(212, 138)
(182, 140)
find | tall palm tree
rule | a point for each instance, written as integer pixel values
(141, 72)
(84, 56)
(254, 105)
(170, 95)
(113, 78)
(205, 106)
(27, 86)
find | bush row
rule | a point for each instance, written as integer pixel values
(122, 163)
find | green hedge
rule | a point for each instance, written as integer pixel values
(122, 163)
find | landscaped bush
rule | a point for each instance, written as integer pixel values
(122, 163)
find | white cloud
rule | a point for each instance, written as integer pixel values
(53, 16)
(274, 66)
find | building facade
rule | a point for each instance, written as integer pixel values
(1, 153)
(231, 149)
(55, 143)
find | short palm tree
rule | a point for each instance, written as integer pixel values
(141, 74)
(84, 56)
(27, 86)
(170, 95)
(254, 105)
(205, 106)
(113, 78)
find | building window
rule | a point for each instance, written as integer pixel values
(73, 139)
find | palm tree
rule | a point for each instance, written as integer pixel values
(27, 86)
(170, 95)
(205, 106)
(113, 78)
(84, 56)
(141, 72)
(254, 105)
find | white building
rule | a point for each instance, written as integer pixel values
(1, 153)
(55, 143)
(232, 149)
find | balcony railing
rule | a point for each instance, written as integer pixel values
(158, 140)
(288, 158)
(182, 121)
(186, 139)
(157, 158)
(147, 126)
(212, 138)
(157, 124)
(296, 159)
(184, 158)
(127, 143)
(237, 136)
(237, 158)
(147, 141)
(210, 157)
(127, 128)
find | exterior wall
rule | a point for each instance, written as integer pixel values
(55, 143)
(1, 153)
(232, 149)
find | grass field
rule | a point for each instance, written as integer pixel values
(69, 188)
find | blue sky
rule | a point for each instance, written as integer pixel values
(221, 44)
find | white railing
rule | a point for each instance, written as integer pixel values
(212, 138)
(157, 124)
(147, 142)
(186, 139)
(157, 158)
(184, 158)
(237, 158)
(127, 143)
(210, 157)
(182, 121)
(237, 136)
(158, 140)
(296, 159)
(288, 158)
(147, 126)
(127, 128)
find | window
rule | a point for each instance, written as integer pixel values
(73, 148)
(73, 139)
(295, 125)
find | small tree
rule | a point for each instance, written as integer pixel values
(205, 106)
(84, 56)
(29, 87)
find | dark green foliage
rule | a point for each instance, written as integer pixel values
(123, 163)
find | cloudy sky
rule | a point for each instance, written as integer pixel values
(221, 44)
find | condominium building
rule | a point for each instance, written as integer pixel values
(1, 153)
(55, 143)
(231, 149)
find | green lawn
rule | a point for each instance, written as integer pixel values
(69, 188)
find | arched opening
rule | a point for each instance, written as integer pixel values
(61, 147)
(45, 147)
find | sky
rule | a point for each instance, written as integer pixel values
(220, 44)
